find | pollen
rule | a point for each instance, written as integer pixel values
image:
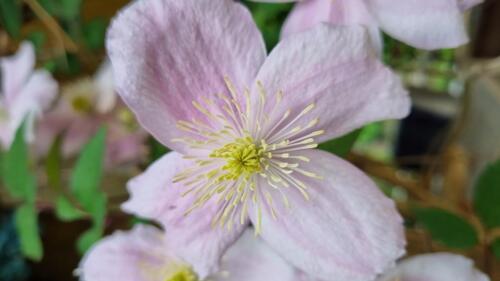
(243, 158)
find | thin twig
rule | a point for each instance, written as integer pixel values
(64, 41)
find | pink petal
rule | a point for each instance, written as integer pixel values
(425, 24)
(16, 70)
(250, 259)
(347, 230)
(168, 53)
(138, 255)
(35, 96)
(105, 88)
(307, 14)
(155, 196)
(78, 133)
(124, 145)
(336, 69)
(435, 267)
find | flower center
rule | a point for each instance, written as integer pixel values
(184, 274)
(249, 159)
(243, 158)
(81, 104)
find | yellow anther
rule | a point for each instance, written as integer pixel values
(81, 104)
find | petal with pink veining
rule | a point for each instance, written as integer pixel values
(250, 259)
(138, 255)
(167, 54)
(347, 230)
(340, 75)
(192, 236)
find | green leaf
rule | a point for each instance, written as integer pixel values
(487, 195)
(97, 209)
(98, 212)
(27, 229)
(94, 33)
(88, 238)
(63, 9)
(447, 228)
(342, 145)
(87, 174)
(156, 149)
(495, 247)
(53, 164)
(269, 17)
(37, 38)
(11, 17)
(370, 132)
(17, 178)
(65, 211)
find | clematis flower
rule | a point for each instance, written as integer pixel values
(425, 24)
(435, 267)
(244, 128)
(86, 105)
(144, 254)
(24, 94)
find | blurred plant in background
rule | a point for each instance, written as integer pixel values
(89, 144)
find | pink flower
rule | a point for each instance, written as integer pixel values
(144, 254)
(85, 106)
(24, 93)
(425, 24)
(435, 267)
(247, 154)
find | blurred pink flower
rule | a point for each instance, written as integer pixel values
(85, 106)
(435, 267)
(144, 254)
(24, 94)
(248, 154)
(425, 24)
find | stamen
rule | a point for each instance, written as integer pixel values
(237, 146)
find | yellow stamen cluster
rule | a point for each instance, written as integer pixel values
(233, 131)
(185, 274)
(243, 158)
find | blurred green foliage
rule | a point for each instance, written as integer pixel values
(11, 17)
(26, 222)
(93, 33)
(38, 39)
(156, 149)
(67, 10)
(447, 228)
(53, 165)
(85, 185)
(341, 146)
(487, 199)
(487, 195)
(269, 18)
(21, 183)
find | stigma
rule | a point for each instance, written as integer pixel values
(239, 148)
(243, 158)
